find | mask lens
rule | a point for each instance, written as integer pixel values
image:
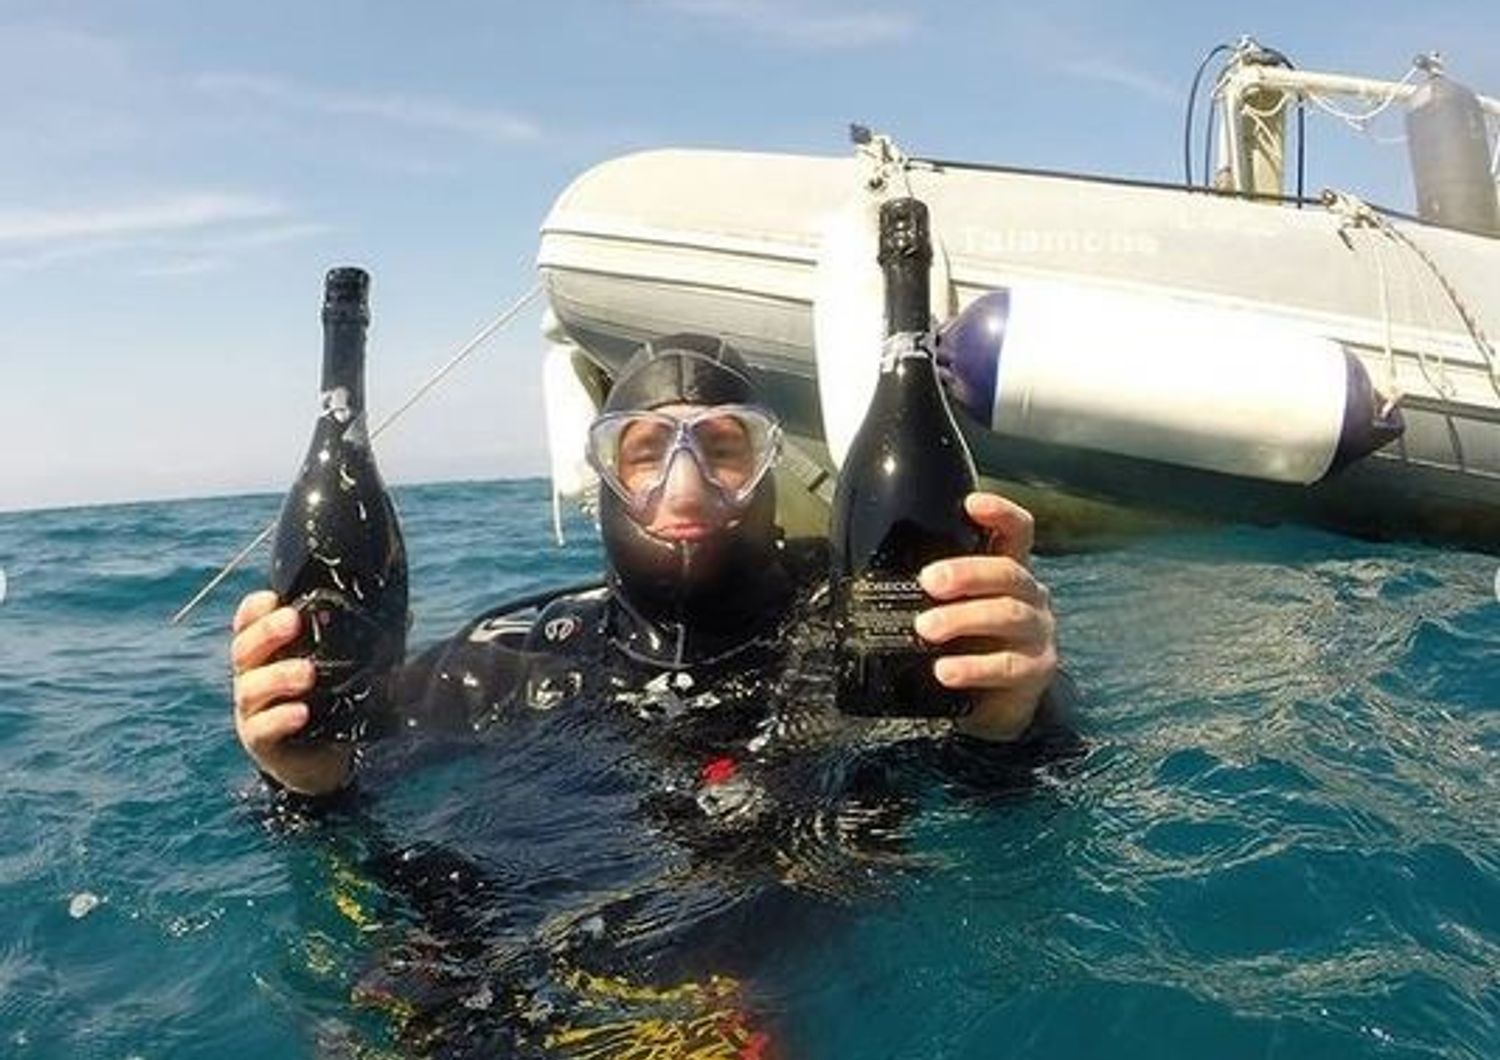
(736, 446)
(645, 444)
(733, 447)
(629, 451)
(727, 449)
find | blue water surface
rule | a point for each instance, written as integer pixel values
(1282, 841)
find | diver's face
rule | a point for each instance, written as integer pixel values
(686, 507)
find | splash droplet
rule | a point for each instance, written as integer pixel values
(82, 904)
(1497, 585)
(5, 584)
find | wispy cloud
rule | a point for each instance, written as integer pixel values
(266, 236)
(479, 123)
(183, 267)
(214, 252)
(799, 25)
(1112, 72)
(34, 257)
(189, 233)
(178, 213)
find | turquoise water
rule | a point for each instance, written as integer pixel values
(1282, 842)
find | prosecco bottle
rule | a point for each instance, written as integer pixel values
(899, 500)
(338, 556)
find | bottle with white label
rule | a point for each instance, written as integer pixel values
(899, 504)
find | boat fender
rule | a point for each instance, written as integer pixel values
(570, 409)
(1164, 378)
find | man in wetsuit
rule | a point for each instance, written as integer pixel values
(681, 715)
(699, 582)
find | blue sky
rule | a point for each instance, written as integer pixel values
(175, 177)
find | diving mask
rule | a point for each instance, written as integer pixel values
(733, 446)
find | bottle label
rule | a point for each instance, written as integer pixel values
(882, 610)
(335, 403)
(904, 345)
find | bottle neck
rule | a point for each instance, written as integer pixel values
(908, 305)
(908, 317)
(344, 357)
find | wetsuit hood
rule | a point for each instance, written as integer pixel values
(700, 596)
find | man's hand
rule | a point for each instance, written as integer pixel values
(266, 705)
(1002, 613)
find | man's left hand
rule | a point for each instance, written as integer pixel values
(1003, 614)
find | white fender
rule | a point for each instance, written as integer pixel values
(570, 409)
(1157, 377)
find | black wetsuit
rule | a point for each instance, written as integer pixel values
(726, 807)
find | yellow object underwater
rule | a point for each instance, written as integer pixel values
(690, 1021)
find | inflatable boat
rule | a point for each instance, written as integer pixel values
(1120, 350)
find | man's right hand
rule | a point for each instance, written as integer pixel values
(267, 707)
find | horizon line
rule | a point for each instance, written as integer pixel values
(230, 494)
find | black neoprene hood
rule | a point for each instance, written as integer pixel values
(681, 369)
(706, 589)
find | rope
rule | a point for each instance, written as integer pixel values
(1267, 134)
(463, 352)
(1360, 121)
(1357, 217)
(1470, 322)
(1359, 214)
(1394, 393)
(1282, 100)
(1435, 375)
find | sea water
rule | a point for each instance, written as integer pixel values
(1281, 839)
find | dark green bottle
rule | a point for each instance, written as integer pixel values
(338, 555)
(899, 503)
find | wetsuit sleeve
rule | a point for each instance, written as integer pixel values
(971, 767)
(968, 769)
(1057, 713)
(413, 678)
(461, 683)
